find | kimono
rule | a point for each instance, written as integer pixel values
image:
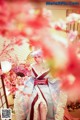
(37, 89)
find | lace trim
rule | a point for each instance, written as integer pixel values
(61, 106)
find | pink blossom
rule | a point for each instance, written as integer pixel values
(72, 17)
(59, 25)
(72, 35)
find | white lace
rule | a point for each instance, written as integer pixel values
(61, 106)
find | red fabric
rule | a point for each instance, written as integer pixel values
(41, 82)
(32, 107)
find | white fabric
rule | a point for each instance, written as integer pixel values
(23, 103)
(61, 106)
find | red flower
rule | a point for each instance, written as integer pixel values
(19, 42)
(39, 22)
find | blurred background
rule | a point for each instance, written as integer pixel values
(58, 12)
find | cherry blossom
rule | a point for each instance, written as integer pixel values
(72, 18)
(24, 24)
(72, 35)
